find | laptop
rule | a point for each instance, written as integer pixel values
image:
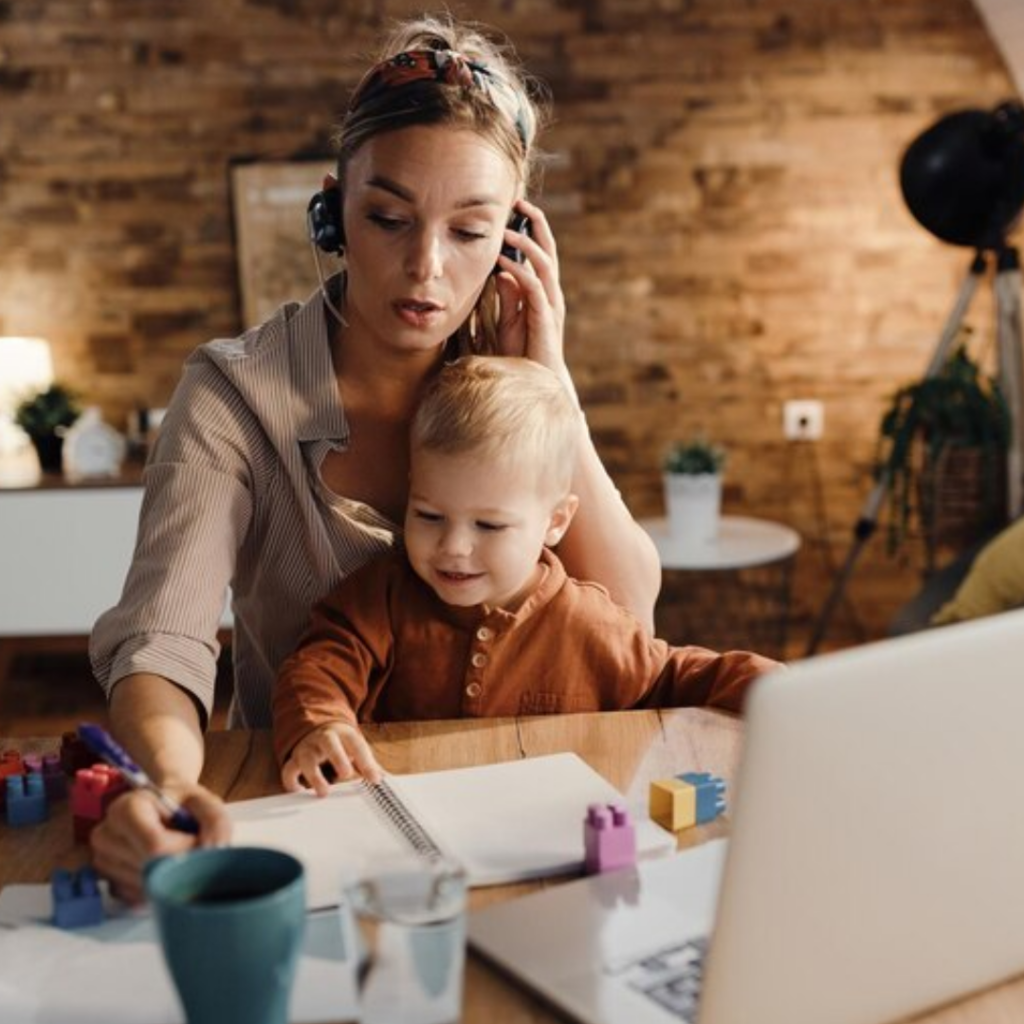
(875, 864)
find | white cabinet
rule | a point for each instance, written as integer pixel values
(64, 553)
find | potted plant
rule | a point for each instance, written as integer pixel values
(692, 475)
(942, 449)
(44, 417)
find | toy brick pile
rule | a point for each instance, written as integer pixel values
(609, 838)
(30, 783)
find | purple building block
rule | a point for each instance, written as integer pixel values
(54, 779)
(74, 754)
(77, 901)
(26, 799)
(609, 839)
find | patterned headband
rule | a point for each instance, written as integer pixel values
(446, 66)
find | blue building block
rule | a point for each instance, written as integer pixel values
(26, 799)
(77, 901)
(710, 791)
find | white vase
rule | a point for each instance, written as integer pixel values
(693, 502)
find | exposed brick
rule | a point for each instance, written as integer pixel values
(722, 181)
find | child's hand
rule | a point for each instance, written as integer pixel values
(338, 747)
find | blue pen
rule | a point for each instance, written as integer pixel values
(104, 746)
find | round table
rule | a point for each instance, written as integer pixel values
(730, 592)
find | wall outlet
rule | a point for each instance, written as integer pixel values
(803, 419)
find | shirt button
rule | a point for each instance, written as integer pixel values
(473, 690)
(478, 660)
(484, 633)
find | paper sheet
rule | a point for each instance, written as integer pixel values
(114, 972)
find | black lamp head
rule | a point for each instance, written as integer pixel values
(963, 178)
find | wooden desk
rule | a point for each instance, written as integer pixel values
(629, 748)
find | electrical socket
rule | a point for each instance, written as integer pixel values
(803, 419)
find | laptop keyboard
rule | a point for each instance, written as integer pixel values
(671, 978)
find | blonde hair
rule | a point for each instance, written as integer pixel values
(508, 111)
(503, 407)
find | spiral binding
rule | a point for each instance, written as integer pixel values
(388, 803)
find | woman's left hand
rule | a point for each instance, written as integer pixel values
(532, 319)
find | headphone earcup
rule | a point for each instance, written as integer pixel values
(323, 216)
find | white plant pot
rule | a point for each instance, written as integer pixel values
(693, 503)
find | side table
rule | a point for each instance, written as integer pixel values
(728, 593)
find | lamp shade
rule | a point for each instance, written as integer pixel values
(963, 178)
(26, 367)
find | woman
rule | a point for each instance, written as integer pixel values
(282, 464)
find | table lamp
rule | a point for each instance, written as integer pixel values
(26, 367)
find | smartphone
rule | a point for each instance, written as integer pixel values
(517, 222)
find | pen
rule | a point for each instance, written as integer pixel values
(104, 746)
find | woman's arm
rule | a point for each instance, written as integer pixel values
(158, 723)
(605, 544)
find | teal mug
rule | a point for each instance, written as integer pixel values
(231, 925)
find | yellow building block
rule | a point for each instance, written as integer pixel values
(673, 804)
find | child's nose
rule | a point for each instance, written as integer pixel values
(456, 540)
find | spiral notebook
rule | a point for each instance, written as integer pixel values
(506, 822)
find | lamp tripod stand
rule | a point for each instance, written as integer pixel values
(1009, 338)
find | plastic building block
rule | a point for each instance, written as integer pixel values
(54, 779)
(77, 900)
(26, 799)
(609, 839)
(74, 754)
(10, 764)
(48, 765)
(91, 793)
(692, 798)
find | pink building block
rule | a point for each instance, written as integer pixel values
(91, 793)
(609, 839)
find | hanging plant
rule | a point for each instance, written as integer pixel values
(956, 411)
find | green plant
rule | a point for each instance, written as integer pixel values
(959, 408)
(694, 457)
(45, 413)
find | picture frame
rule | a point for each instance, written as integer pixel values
(272, 248)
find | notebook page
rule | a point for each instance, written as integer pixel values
(518, 820)
(333, 835)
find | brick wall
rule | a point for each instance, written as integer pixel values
(723, 181)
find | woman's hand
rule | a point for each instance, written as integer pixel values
(134, 831)
(338, 746)
(532, 320)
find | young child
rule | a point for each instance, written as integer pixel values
(476, 617)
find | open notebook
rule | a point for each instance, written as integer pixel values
(505, 822)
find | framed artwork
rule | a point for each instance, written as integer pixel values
(275, 263)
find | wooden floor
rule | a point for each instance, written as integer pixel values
(47, 687)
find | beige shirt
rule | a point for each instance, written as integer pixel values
(234, 497)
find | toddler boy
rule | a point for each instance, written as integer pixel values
(477, 617)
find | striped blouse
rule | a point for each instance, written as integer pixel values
(234, 498)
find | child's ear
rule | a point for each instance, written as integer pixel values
(561, 517)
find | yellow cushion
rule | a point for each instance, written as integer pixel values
(995, 582)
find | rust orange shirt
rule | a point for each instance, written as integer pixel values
(383, 647)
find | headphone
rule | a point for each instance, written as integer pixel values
(323, 218)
